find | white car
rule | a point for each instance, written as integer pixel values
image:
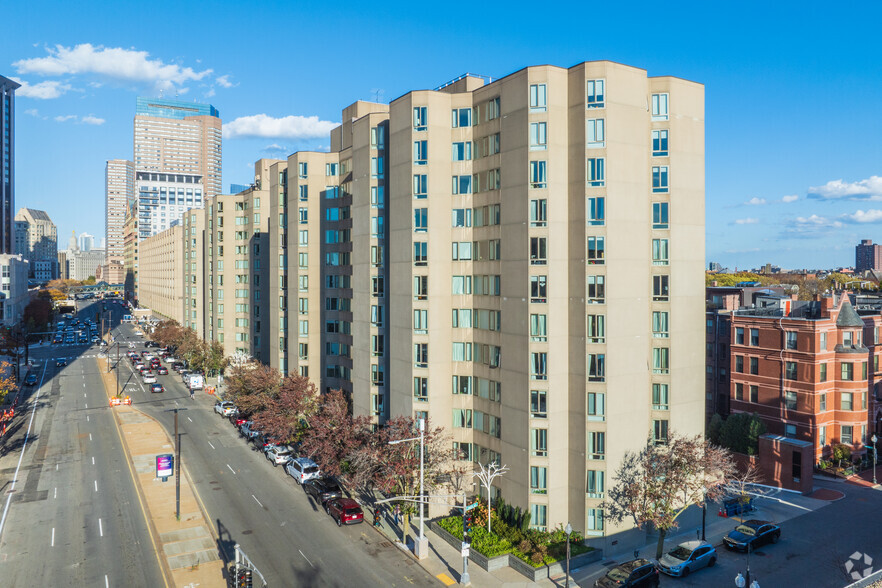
(149, 379)
(279, 454)
(225, 408)
(302, 469)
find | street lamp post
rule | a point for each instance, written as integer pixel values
(875, 457)
(421, 546)
(177, 464)
(568, 531)
(744, 581)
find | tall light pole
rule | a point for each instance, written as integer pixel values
(421, 545)
(177, 464)
(875, 457)
(568, 531)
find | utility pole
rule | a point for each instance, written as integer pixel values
(177, 464)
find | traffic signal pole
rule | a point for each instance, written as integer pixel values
(464, 579)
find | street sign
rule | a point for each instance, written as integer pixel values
(471, 506)
(165, 465)
(465, 549)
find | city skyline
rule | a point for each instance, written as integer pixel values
(783, 186)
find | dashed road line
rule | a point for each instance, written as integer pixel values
(100, 528)
(231, 469)
(256, 500)
(307, 560)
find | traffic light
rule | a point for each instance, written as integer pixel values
(243, 579)
(468, 519)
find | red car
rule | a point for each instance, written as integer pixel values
(345, 511)
(238, 420)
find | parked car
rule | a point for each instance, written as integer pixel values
(178, 366)
(247, 431)
(323, 489)
(31, 379)
(237, 419)
(752, 534)
(162, 370)
(278, 454)
(302, 469)
(688, 557)
(156, 388)
(149, 378)
(345, 511)
(637, 573)
(225, 408)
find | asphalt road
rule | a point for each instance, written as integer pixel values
(289, 538)
(71, 512)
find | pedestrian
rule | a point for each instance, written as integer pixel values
(397, 513)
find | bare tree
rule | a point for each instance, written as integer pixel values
(487, 474)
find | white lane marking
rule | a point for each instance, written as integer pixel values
(90, 436)
(212, 446)
(96, 485)
(100, 528)
(87, 418)
(231, 469)
(55, 494)
(256, 500)
(87, 406)
(307, 560)
(52, 544)
(106, 582)
(23, 446)
(84, 394)
(56, 467)
(189, 419)
(93, 461)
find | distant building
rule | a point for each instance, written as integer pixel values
(63, 266)
(236, 188)
(119, 191)
(161, 275)
(36, 239)
(130, 248)
(112, 273)
(84, 264)
(714, 267)
(87, 242)
(13, 288)
(867, 256)
(7, 164)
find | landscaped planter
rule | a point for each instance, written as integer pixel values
(487, 563)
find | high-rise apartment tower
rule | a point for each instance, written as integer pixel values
(7, 165)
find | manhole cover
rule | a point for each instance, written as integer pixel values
(247, 532)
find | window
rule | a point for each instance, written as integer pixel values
(596, 248)
(538, 324)
(421, 389)
(461, 318)
(659, 107)
(594, 484)
(303, 238)
(789, 400)
(303, 215)
(739, 335)
(538, 480)
(596, 367)
(596, 328)
(461, 117)
(754, 365)
(538, 136)
(847, 401)
(847, 371)
(538, 97)
(790, 370)
(660, 431)
(659, 143)
(538, 404)
(420, 287)
(864, 371)
(596, 406)
(823, 344)
(596, 171)
(420, 253)
(537, 174)
(823, 375)
(538, 516)
(847, 436)
(538, 212)
(302, 169)
(462, 352)
(596, 445)
(420, 321)
(791, 339)
(660, 396)
(661, 363)
(790, 431)
(660, 215)
(462, 151)
(420, 220)
(420, 118)
(462, 184)
(660, 288)
(538, 251)
(596, 289)
(538, 366)
(539, 442)
(331, 168)
(595, 133)
(660, 252)
(461, 217)
(595, 211)
(461, 285)
(377, 168)
(659, 178)
(754, 394)
(461, 250)
(421, 354)
(594, 94)
(462, 385)
(754, 337)
(660, 324)
(420, 152)
(538, 289)
(377, 315)
(863, 401)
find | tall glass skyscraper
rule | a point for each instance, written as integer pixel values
(7, 164)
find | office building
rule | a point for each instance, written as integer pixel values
(161, 264)
(87, 242)
(177, 160)
(195, 280)
(130, 251)
(84, 264)
(13, 288)
(867, 256)
(119, 184)
(7, 165)
(36, 239)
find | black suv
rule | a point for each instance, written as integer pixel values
(323, 489)
(637, 573)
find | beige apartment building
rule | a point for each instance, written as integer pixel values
(119, 191)
(161, 265)
(195, 279)
(130, 251)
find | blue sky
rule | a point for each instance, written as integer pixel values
(793, 131)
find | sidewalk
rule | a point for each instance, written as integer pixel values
(186, 548)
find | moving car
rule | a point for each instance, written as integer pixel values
(278, 454)
(162, 370)
(688, 557)
(149, 378)
(31, 379)
(752, 534)
(637, 573)
(323, 489)
(60, 362)
(157, 388)
(302, 469)
(345, 511)
(225, 408)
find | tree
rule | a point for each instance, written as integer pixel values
(486, 476)
(7, 379)
(253, 387)
(37, 313)
(655, 485)
(90, 281)
(333, 434)
(741, 432)
(168, 333)
(215, 362)
(64, 287)
(715, 429)
(286, 414)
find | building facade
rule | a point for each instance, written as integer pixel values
(13, 288)
(130, 251)
(86, 242)
(7, 165)
(36, 239)
(161, 275)
(867, 256)
(84, 264)
(119, 191)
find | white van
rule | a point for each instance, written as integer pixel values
(303, 469)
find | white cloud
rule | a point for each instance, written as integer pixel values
(65, 118)
(92, 120)
(790, 198)
(117, 63)
(32, 112)
(224, 81)
(210, 93)
(287, 127)
(860, 216)
(275, 147)
(42, 90)
(868, 189)
(746, 221)
(756, 201)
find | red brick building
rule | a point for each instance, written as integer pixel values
(810, 370)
